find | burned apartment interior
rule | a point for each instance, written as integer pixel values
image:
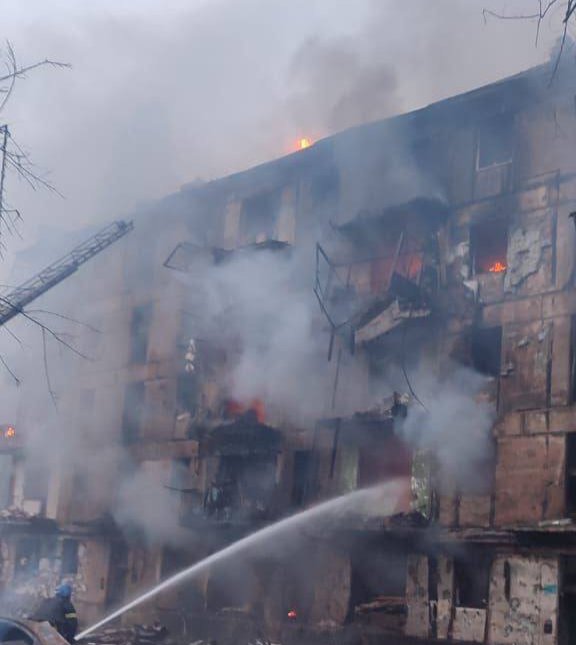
(462, 265)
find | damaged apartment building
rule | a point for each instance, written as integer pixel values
(441, 240)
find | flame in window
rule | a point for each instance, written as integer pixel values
(497, 267)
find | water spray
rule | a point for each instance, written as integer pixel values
(384, 497)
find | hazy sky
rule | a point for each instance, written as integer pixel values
(165, 91)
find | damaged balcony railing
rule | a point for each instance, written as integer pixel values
(393, 297)
(383, 273)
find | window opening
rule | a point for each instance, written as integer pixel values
(139, 330)
(302, 476)
(495, 141)
(69, 557)
(489, 246)
(471, 581)
(571, 473)
(259, 215)
(486, 351)
(134, 398)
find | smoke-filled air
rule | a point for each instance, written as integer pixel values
(287, 322)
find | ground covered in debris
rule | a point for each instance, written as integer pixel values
(133, 635)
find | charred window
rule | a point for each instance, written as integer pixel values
(302, 476)
(495, 141)
(378, 582)
(27, 558)
(134, 397)
(36, 481)
(571, 473)
(139, 329)
(231, 586)
(472, 580)
(69, 557)
(486, 350)
(187, 392)
(489, 246)
(259, 216)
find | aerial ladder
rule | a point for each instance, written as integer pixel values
(13, 303)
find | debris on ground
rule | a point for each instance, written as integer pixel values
(133, 635)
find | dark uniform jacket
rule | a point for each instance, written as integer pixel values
(61, 614)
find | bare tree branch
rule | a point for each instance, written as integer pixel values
(46, 370)
(11, 333)
(64, 317)
(16, 379)
(543, 10)
(12, 156)
(51, 332)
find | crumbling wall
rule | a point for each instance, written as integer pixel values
(91, 581)
(332, 597)
(523, 601)
(526, 356)
(529, 480)
(417, 622)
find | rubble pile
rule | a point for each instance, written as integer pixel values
(133, 635)
(15, 513)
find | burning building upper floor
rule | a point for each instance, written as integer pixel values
(392, 302)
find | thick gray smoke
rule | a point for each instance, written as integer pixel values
(454, 427)
(147, 104)
(336, 87)
(160, 96)
(263, 303)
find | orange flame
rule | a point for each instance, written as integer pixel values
(10, 432)
(292, 614)
(237, 409)
(304, 143)
(497, 267)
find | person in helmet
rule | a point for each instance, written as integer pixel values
(59, 612)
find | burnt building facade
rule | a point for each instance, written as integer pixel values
(439, 242)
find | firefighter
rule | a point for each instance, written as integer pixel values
(59, 612)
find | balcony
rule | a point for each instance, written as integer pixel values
(382, 272)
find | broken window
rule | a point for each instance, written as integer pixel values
(139, 329)
(27, 558)
(232, 585)
(134, 398)
(495, 141)
(571, 473)
(486, 351)
(69, 557)
(302, 476)
(243, 487)
(472, 580)
(378, 583)
(567, 626)
(259, 216)
(36, 481)
(188, 392)
(489, 246)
